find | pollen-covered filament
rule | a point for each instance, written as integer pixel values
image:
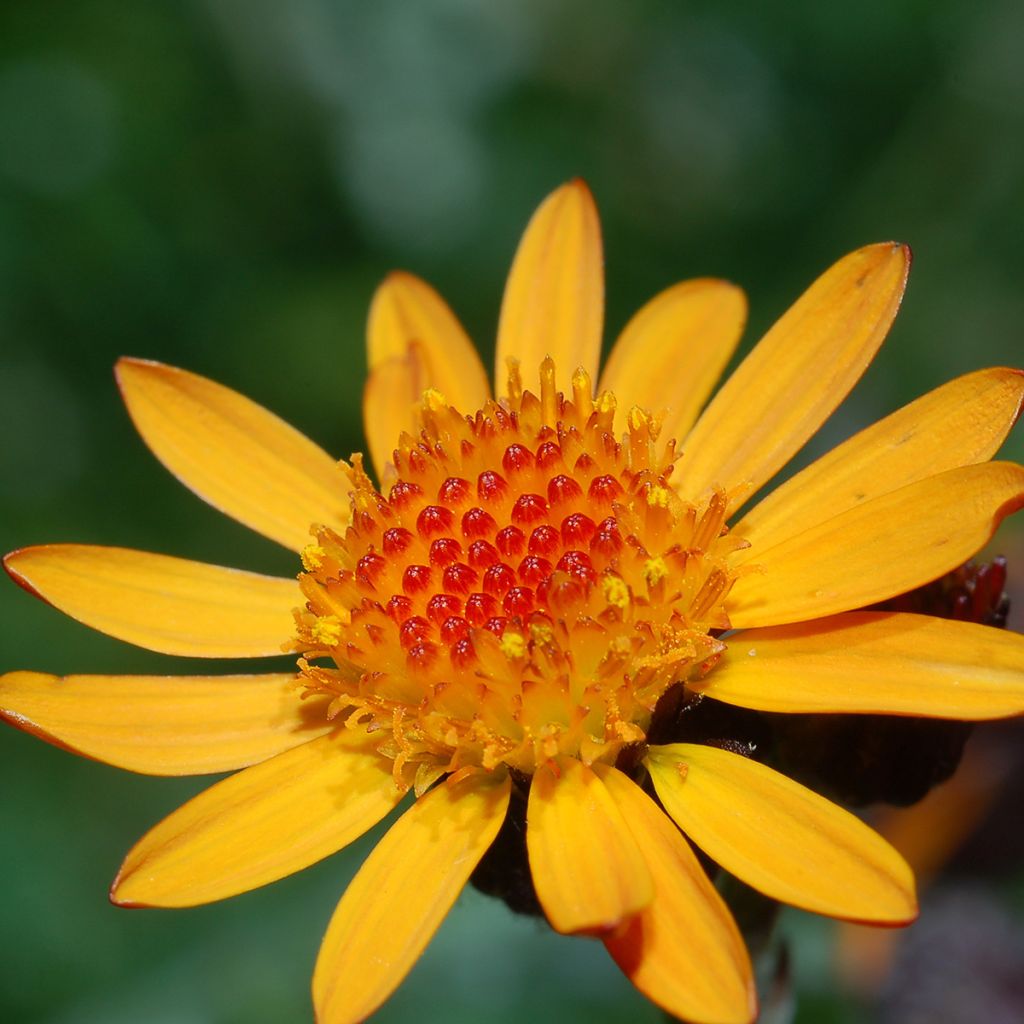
(529, 587)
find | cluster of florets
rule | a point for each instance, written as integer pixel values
(529, 587)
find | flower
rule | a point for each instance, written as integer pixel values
(548, 571)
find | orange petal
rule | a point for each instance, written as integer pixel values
(709, 981)
(554, 298)
(959, 424)
(405, 310)
(878, 662)
(670, 355)
(163, 725)
(392, 398)
(401, 895)
(233, 453)
(588, 871)
(261, 824)
(781, 838)
(886, 546)
(796, 375)
(170, 605)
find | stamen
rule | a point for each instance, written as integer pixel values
(528, 589)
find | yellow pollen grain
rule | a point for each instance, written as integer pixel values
(581, 393)
(616, 592)
(327, 630)
(513, 645)
(434, 401)
(683, 769)
(541, 633)
(657, 497)
(638, 419)
(313, 557)
(655, 570)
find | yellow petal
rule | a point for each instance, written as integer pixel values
(684, 951)
(170, 605)
(959, 424)
(796, 375)
(886, 546)
(878, 662)
(781, 838)
(670, 355)
(233, 453)
(554, 298)
(261, 824)
(401, 895)
(406, 309)
(392, 398)
(163, 725)
(588, 871)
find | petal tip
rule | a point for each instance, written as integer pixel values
(128, 366)
(578, 184)
(883, 252)
(575, 190)
(116, 899)
(394, 278)
(10, 561)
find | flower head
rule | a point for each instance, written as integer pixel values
(506, 613)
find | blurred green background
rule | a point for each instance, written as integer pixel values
(220, 184)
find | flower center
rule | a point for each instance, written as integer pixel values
(529, 587)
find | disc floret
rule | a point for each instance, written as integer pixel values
(529, 587)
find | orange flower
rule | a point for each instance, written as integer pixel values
(545, 566)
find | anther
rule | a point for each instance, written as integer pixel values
(491, 486)
(396, 540)
(533, 569)
(478, 523)
(480, 607)
(416, 578)
(519, 601)
(443, 606)
(513, 645)
(413, 631)
(511, 541)
(369, 567)
(562, 489)
(548, 395)
(444, 551)
(434, 519)
(549, 455)
(498, 579)
(422, 656)
(605, 488)
(529, 508)
(459, 578)
(516, 458)
(616, 593)
(581, 393)
(607, 541)
(454, 628)
(404, 492)
(578, 564)
(578, 528)
(418, 460)
(544, 540)
(561, 593)
(482, 554)
(454, 491)
(584, 464)
(398, 608)
(462, 652)
(313, 556)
